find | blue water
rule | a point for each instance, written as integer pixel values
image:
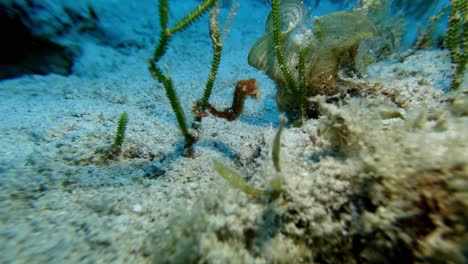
(44, 36)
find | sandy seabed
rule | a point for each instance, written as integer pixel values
(59, 202)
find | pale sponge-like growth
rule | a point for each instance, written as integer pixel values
(360, 186)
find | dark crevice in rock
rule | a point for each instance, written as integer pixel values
(21, 52)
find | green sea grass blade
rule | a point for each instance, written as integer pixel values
(236, 181)
(277, 145)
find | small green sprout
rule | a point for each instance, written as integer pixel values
(121, 127)
(113, 151)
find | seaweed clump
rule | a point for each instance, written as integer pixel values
(304, 61)
(392, 189)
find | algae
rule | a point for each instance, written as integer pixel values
(329, 44)
(372, 187)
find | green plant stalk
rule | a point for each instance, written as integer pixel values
(164, 39)
(214, 71)
(457, 40)
(302, 84)
(279, 46)
(192, 16)
(164, 35)
(121, 127)
(175, 104)
(217, 51)
(464, 39)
